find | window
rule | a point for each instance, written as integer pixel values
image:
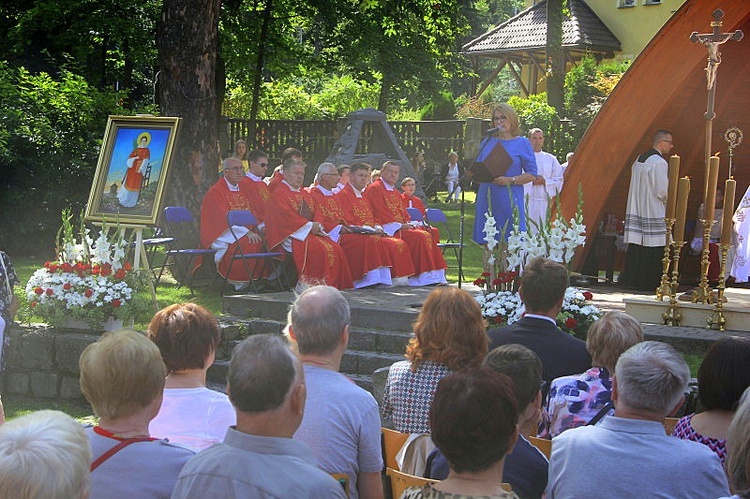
(626, 3)
(651, 2)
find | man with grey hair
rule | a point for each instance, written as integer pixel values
(259, 458)
(629, 454)
(547, 184)
(342, 422)
(231, 192)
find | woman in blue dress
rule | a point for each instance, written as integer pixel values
(521, 171)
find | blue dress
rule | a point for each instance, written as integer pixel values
(520, 151)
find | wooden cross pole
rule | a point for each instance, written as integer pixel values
(712, 41)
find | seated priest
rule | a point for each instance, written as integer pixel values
(290, 225)
(260, 193)
(231, 192)
(389, 211)
(358, 213)
(278, 173)
(368, 261)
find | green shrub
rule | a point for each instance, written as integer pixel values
(51, 130)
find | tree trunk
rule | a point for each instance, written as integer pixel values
(555, 57)
(385, 90)
(258, 80)
(187, 41)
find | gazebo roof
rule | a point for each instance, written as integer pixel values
(527, 31)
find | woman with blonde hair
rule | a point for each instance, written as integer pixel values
(449, 334)
(499, 196)
(738, 447)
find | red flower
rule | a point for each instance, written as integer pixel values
(497, 282)
(480, 282)
(587, 295)
(128, 266)
(38, 290)
(88, 293)
(105, 270)
(95, 270)
(66, 286)
(116, 303)
(33, 304)
(52, 268)
(66, 267)
(497, 319)
(485, 274)
(49, 291)
(571, 323)
(120, 274)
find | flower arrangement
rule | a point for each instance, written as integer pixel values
(557, 240)
(89, 281)
(505, 307)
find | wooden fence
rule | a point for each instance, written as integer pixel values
(316, 138)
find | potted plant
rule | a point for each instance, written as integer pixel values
(90, 281)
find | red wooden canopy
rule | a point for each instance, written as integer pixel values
(665, 87)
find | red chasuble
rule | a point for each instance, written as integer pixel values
(275, 181)
(133, 177)
(219, 200)
(259, 194)
(362, 251)
(357, 211)
(318, 259)
(388, 207)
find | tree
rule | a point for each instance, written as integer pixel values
(555, 56)
(187, 40)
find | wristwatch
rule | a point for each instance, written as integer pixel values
(512, 180)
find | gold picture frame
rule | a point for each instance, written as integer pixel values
(132, 170)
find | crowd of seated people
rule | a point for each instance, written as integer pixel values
(284, 430)
(300, 222)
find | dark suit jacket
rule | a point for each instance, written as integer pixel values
(561, 354)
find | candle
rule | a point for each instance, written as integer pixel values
(712, 179)
(726, 221)
(674, 176)
(683, 191)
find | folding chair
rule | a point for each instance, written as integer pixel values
(402, 481)
(151, 244)
(437, 216)
(244, 218)
(415, 215)
(184, 250)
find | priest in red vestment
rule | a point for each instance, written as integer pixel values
(137, 163)
(368, 260)
(278, 172)
(260, 193)
(410, 200)
(290, 225)
(389, 211)
(357, 212)
(231, 192)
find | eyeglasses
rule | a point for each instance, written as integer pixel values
(262, 165)
(666, 140)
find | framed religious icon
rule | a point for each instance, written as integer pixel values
(132, 169)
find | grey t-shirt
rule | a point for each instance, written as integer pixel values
(341, 425)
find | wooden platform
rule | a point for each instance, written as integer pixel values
(736, 310)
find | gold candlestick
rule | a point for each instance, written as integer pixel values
(672, 316)
(664, 288)
(717, 319)
(703, 293)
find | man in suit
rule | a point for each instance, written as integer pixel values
(542, 290)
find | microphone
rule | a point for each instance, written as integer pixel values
(493, 130)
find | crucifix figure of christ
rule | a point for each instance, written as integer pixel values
(712, 41)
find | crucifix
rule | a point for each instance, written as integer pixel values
(712, 41)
